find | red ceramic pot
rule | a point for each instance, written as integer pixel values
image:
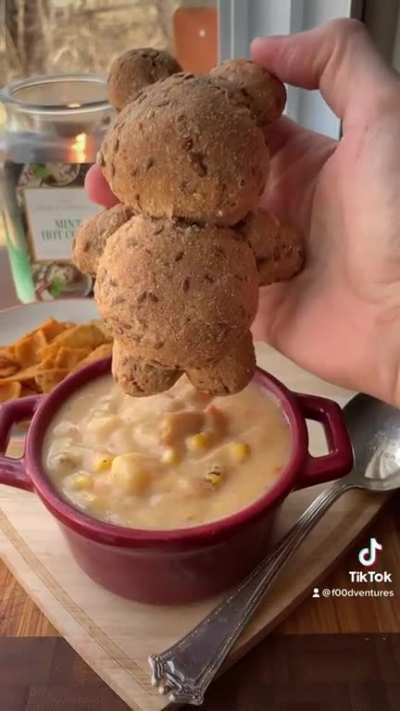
(186, 564)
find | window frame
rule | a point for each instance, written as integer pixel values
(242, 20)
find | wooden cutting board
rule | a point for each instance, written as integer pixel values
(116, 636)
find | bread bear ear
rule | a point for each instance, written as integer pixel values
(135, 69)
(262, 92)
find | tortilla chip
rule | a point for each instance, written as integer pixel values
(8, 364)
(7, 370)
(46, 355)
(9, 391)
(27, 350)
(82, 336)
(25, 374)
(64, 358)
(7, 355)
(103, 328)
(47, 379)
(103, 351)
(52, 328)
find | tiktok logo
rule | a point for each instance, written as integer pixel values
(367, 556)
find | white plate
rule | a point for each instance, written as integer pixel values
(18, 320)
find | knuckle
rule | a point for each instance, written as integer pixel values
(346, 28)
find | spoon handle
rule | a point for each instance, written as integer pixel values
(185, 670)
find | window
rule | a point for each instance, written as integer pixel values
(63, 36)
(50, 36)
(241, 20)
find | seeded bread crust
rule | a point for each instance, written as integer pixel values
(230, 374)
(262, 92)
(136, 376)
(277, 247)
(92, 235)
(179, 263)
(183, 294)
(135, 69)
(211, 164)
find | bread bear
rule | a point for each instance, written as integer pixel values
(178, 263)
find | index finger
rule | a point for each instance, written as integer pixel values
(98, 189)
(338, 58)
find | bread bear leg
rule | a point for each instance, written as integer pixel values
(229, 375)
(277, 247)
(135, 376)
(92, 235)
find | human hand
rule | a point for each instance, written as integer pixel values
(340, 317)
(98, 189)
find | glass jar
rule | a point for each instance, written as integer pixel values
(54, 126)
(195, 26)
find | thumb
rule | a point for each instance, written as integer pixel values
(98, 189)
(338, 58)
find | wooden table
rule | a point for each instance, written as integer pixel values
(330, 653)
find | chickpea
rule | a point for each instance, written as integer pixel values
(129, 474)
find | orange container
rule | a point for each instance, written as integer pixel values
(196, 38)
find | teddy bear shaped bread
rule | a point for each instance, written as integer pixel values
(179, 261)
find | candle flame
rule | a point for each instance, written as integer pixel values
(79, 147)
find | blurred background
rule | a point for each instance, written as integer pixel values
(44, 154)
(63, 36)
(57, 36)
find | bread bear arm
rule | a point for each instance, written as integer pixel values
(277, 247)
(92, 235)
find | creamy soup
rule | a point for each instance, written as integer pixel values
(172, 460)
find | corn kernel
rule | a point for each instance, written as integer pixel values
(80, 481)
(214, 476)
(170, 456)
(129, 474)
(102, 463)
(239, 451)
(197, 442)
(88, 499)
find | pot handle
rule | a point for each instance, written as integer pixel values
(339, 460)
(12, 471)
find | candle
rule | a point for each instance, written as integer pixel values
(54, 127)
(79, 148)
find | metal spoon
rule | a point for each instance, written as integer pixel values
(185, 670)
